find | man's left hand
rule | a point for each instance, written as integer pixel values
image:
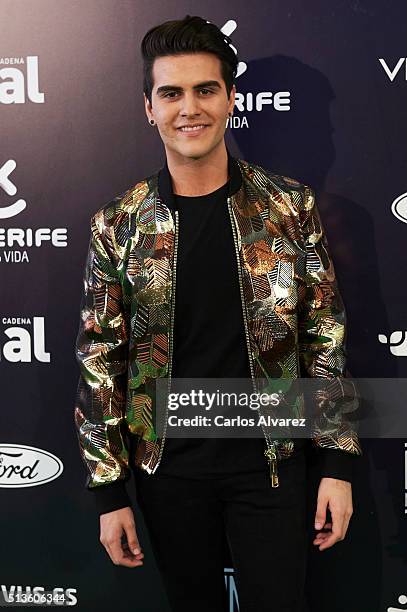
(337, 494)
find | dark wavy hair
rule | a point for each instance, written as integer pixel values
(188, 35)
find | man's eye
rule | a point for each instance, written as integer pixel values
(172, 94)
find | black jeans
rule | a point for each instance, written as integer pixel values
(265, 527)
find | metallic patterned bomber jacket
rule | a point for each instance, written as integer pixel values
(293, 314)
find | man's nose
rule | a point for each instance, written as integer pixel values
(190, 105)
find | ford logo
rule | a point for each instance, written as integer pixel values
(27, 466)
(399, 207)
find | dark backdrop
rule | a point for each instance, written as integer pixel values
(78, 137)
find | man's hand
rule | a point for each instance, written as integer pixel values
(338, 495)
(118, 525)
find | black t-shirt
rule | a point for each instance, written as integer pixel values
(209, 337)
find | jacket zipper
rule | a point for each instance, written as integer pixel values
(270, 452)
(171, 334)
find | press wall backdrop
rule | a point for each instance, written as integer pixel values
(322, 97)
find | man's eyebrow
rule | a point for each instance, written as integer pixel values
(164, 88)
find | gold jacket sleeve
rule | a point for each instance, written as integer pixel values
(102, 354)
(322, 334)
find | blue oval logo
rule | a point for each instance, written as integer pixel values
(27, 466)
(399, 208)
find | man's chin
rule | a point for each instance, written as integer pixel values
(194, 150)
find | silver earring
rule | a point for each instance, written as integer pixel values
(152, 122)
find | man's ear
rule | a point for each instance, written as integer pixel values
(232, 98)
(147, 106)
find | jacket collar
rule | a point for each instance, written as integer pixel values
(165, 189)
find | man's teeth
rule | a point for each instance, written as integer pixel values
(189, 129)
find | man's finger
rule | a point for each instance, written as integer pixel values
(128, 552)
(323, 534)
(131, 537)
(118, 555)
(337, 530)
(320, 515)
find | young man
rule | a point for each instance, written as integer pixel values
(212, 268)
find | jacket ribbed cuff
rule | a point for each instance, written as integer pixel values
(111, 496)
(336, 463)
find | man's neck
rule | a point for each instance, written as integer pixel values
(195, 177)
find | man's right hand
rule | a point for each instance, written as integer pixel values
(117, 525)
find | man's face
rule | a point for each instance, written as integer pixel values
(189, 90)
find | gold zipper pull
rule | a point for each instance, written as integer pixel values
(272, 459)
